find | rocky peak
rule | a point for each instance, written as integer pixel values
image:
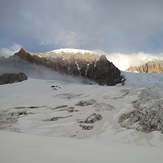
(91, 66)
(103, 58)
(21, 51)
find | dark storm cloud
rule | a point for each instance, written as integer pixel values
(110, 25)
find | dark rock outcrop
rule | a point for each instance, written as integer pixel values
(92, 118)
(57, 118)
(155, 66)
(86, 127)
(86, 103)
(90, 66)
(9, 78)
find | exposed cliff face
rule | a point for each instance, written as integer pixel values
(155, 66)
(87, 65)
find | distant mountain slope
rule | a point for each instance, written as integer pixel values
(72, 62)
(153, 66)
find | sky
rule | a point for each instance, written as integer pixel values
(113, 26)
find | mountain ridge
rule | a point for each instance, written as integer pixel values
(91, 66)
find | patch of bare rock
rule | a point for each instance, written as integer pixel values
(90, 119)
(86, 103)
(7, 118)
(148, 113)
(9, 78)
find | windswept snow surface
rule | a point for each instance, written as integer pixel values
(21, 148)
(39, 122)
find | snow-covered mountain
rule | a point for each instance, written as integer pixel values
(64, 120)
(86, 65)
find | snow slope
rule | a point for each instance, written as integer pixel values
(143, 79)
(40, 120)
(28, 107)
(21, 148)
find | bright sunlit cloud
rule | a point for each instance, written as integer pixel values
(124, 61)
(6, 52)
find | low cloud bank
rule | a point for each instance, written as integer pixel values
(6, 52)
(120, 60)
(38, 71)
(124, 61)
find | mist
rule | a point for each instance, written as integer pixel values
(120, 60)
(9, 51)
(17, 65)
(124, 61)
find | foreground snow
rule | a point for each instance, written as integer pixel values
(28, 107)
(21, 148)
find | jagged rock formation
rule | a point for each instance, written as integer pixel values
(9, 78)
(91, 66)
(86, 127)
(155, 66)
(148, 113)
(86, 103)
(92, 118)
(7, 118)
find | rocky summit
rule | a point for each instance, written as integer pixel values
(87, 65)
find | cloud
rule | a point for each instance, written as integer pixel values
(124, 61)
(69, 39)
(6, 52)
(111, 25)
(121, 60)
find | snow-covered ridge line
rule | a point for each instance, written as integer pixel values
(69, 50)
(120, 60)
(77, 65)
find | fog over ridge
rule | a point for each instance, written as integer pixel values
(120, 60)
(124, 61)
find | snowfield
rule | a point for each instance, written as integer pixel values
(23, 148)
(51, 121)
